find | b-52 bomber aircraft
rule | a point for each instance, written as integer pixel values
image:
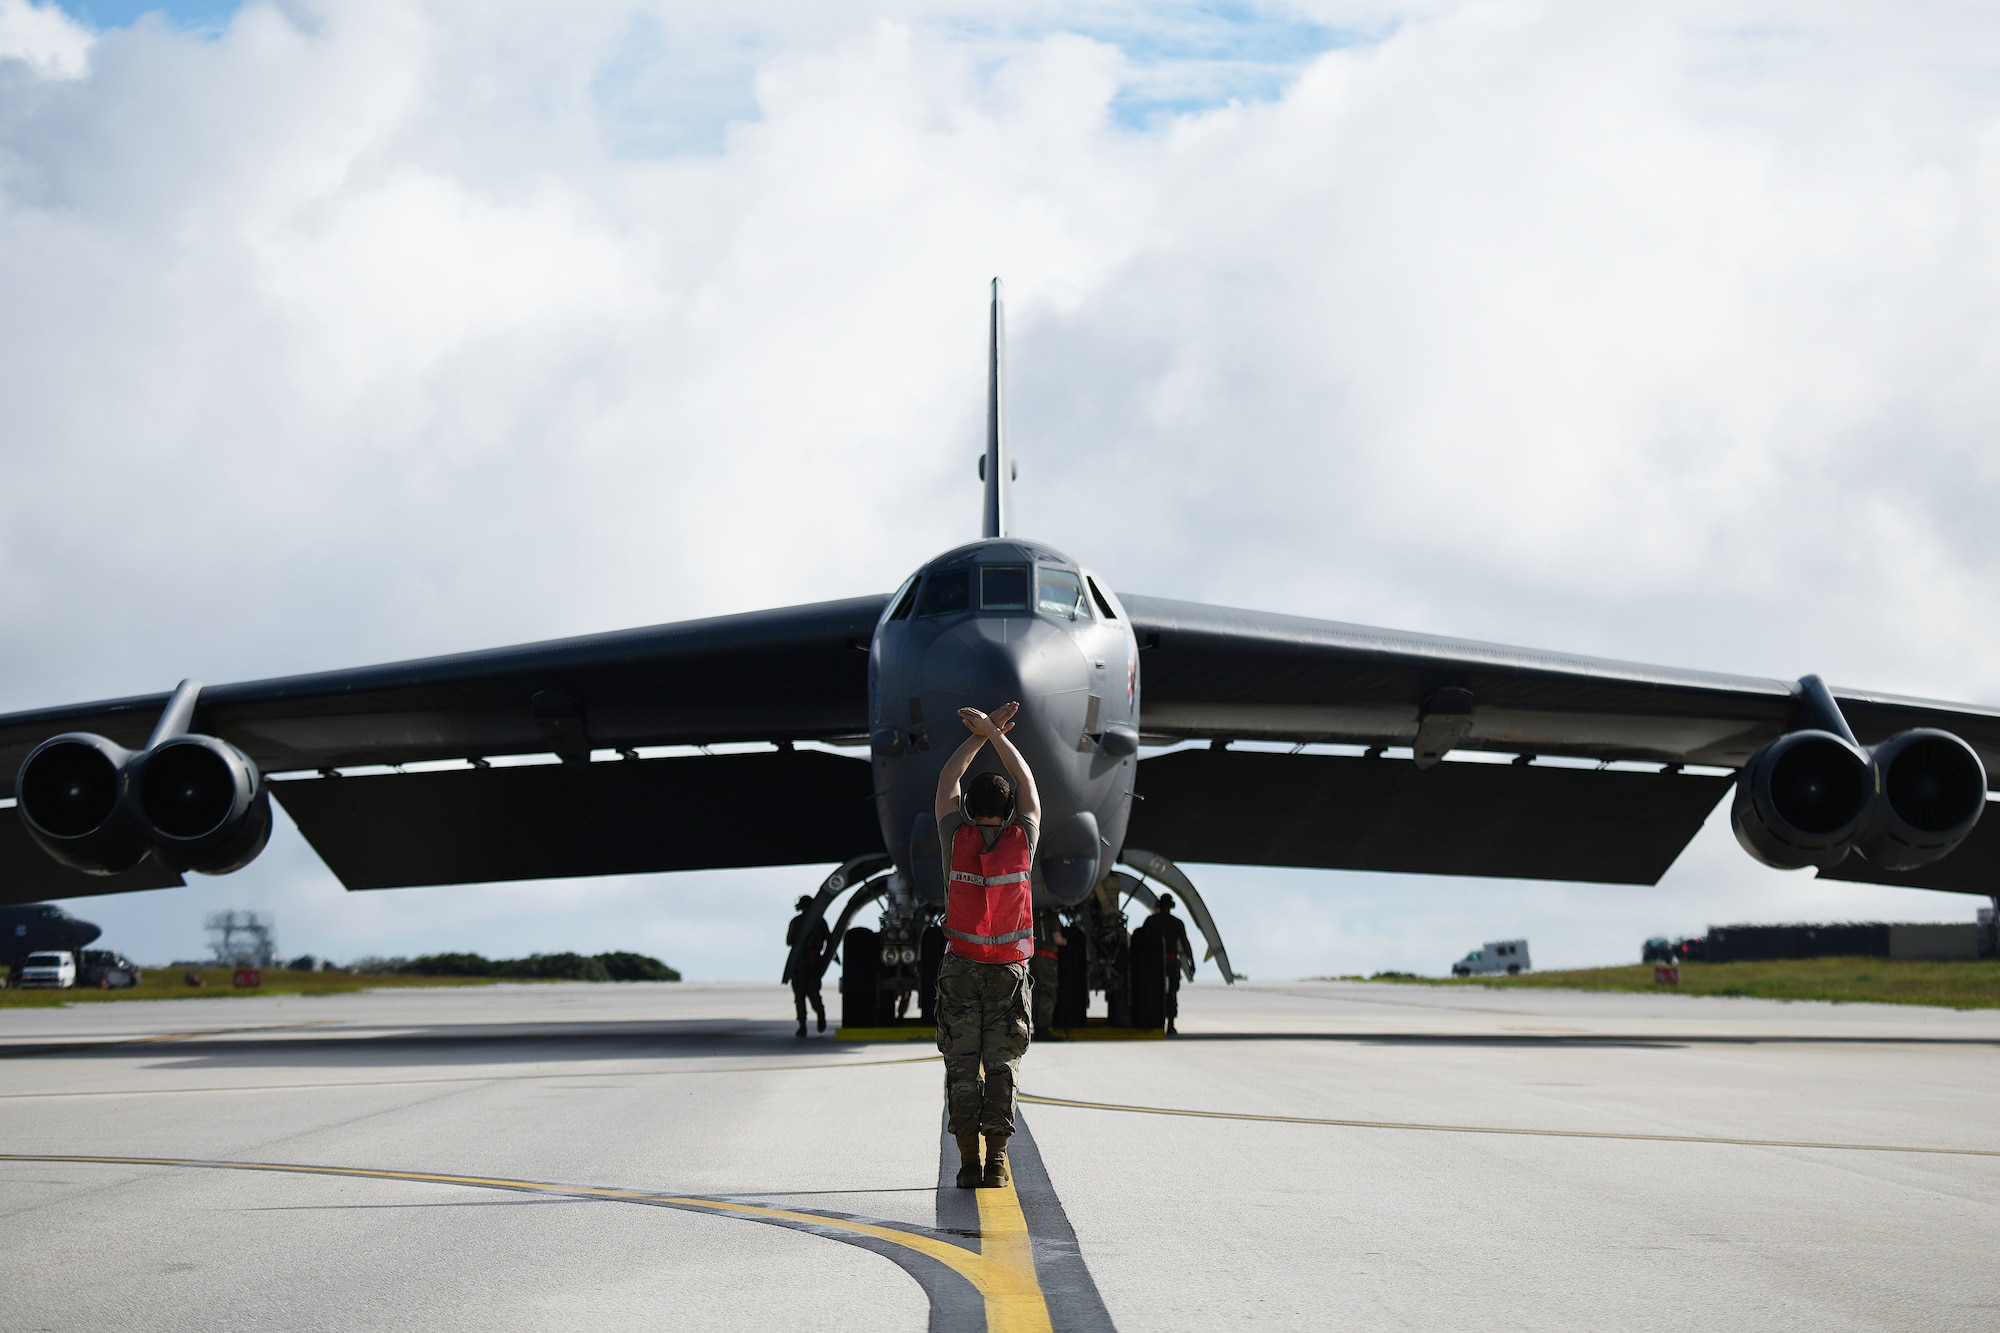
(1408, 752)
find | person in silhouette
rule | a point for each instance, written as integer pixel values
(811, 964)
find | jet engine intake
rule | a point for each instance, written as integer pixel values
(1929, 790)
(196, 802)
(203, 803)
(70, 792)
(1803, 800)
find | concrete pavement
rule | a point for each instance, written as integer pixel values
(613, 1156)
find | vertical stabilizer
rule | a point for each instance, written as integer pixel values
(997, 469)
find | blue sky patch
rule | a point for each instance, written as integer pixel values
(192, 14)
(1189, 58)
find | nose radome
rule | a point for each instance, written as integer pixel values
(986, 661)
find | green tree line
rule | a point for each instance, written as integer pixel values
(618, 966)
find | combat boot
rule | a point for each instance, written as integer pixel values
(968, 1161)
(997, 1172)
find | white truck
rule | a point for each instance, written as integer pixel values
(49, 967)
(1495, 956)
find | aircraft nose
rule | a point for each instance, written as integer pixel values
(988, 661)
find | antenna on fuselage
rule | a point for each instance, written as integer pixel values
(996, 469)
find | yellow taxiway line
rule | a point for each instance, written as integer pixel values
(1002, 1270)
(1494, 1129)
(1013, 1294)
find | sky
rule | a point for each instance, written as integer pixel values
(341, 333)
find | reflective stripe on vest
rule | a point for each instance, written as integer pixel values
(1008, 938)
(989, 908)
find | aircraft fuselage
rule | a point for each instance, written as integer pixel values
(999, 620)
(32, 927)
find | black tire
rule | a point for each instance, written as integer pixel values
(1147, 975)
(930, 957)
(1072, 981)
(1117, 962)
(860, 965)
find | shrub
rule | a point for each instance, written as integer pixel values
(636, 967)
(449, 965)
(553, 967)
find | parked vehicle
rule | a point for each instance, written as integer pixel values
(106, 969)
(1496, 956)
(1659, 949)
(1693, 949)
(49, 967)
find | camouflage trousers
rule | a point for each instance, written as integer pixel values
(982, 1025)
(1043, 970)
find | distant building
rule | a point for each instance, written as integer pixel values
(1847, 939)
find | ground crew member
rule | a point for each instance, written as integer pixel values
(811, 965)
(1180, 954)
(988, 832)
(1043, 971)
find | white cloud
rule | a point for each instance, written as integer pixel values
(43, 38)
(375, 329)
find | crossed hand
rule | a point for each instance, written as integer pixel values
(997, 723)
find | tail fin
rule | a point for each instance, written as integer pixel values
(997, 468)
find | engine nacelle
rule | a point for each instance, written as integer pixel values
(1929, 790)
(1803, 800)
(203, 804)
(71, 794)
(195, 802)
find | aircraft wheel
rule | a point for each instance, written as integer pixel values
(1146, 975)
(860, 964)
(1072, 982)
(930, 957)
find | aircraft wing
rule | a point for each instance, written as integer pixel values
(1229, 675)
(795, 674)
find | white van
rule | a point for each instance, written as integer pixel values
(1509, 956)
(52, 967)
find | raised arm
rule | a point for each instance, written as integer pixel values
(1027, 801)
(986, 728)
(954, 772)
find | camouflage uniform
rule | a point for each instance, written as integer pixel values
(982, 1021)
(1043, 969)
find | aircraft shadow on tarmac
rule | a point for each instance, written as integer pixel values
(472, 1045)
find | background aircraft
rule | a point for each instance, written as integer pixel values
(1483, 779)
(25, 928)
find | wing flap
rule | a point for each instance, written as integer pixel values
(1513, 821)
(555, 821)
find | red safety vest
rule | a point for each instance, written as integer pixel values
(989, 909)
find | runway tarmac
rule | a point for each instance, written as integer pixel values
(1306, 1155)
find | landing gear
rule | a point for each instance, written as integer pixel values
(860, 961)
(1147, 975)
(910, 950)
(882, 970)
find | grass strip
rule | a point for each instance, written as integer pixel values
(1969, 984)
(170, 983)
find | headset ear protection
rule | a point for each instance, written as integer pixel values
(1013, 803)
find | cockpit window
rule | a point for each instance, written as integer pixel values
(1062, 593)
(1103, 602)
(945, 591)
(1003, 587)
(906, 601)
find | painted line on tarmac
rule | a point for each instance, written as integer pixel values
(471, 1078)
(998, 1266)
(1494, 1129)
